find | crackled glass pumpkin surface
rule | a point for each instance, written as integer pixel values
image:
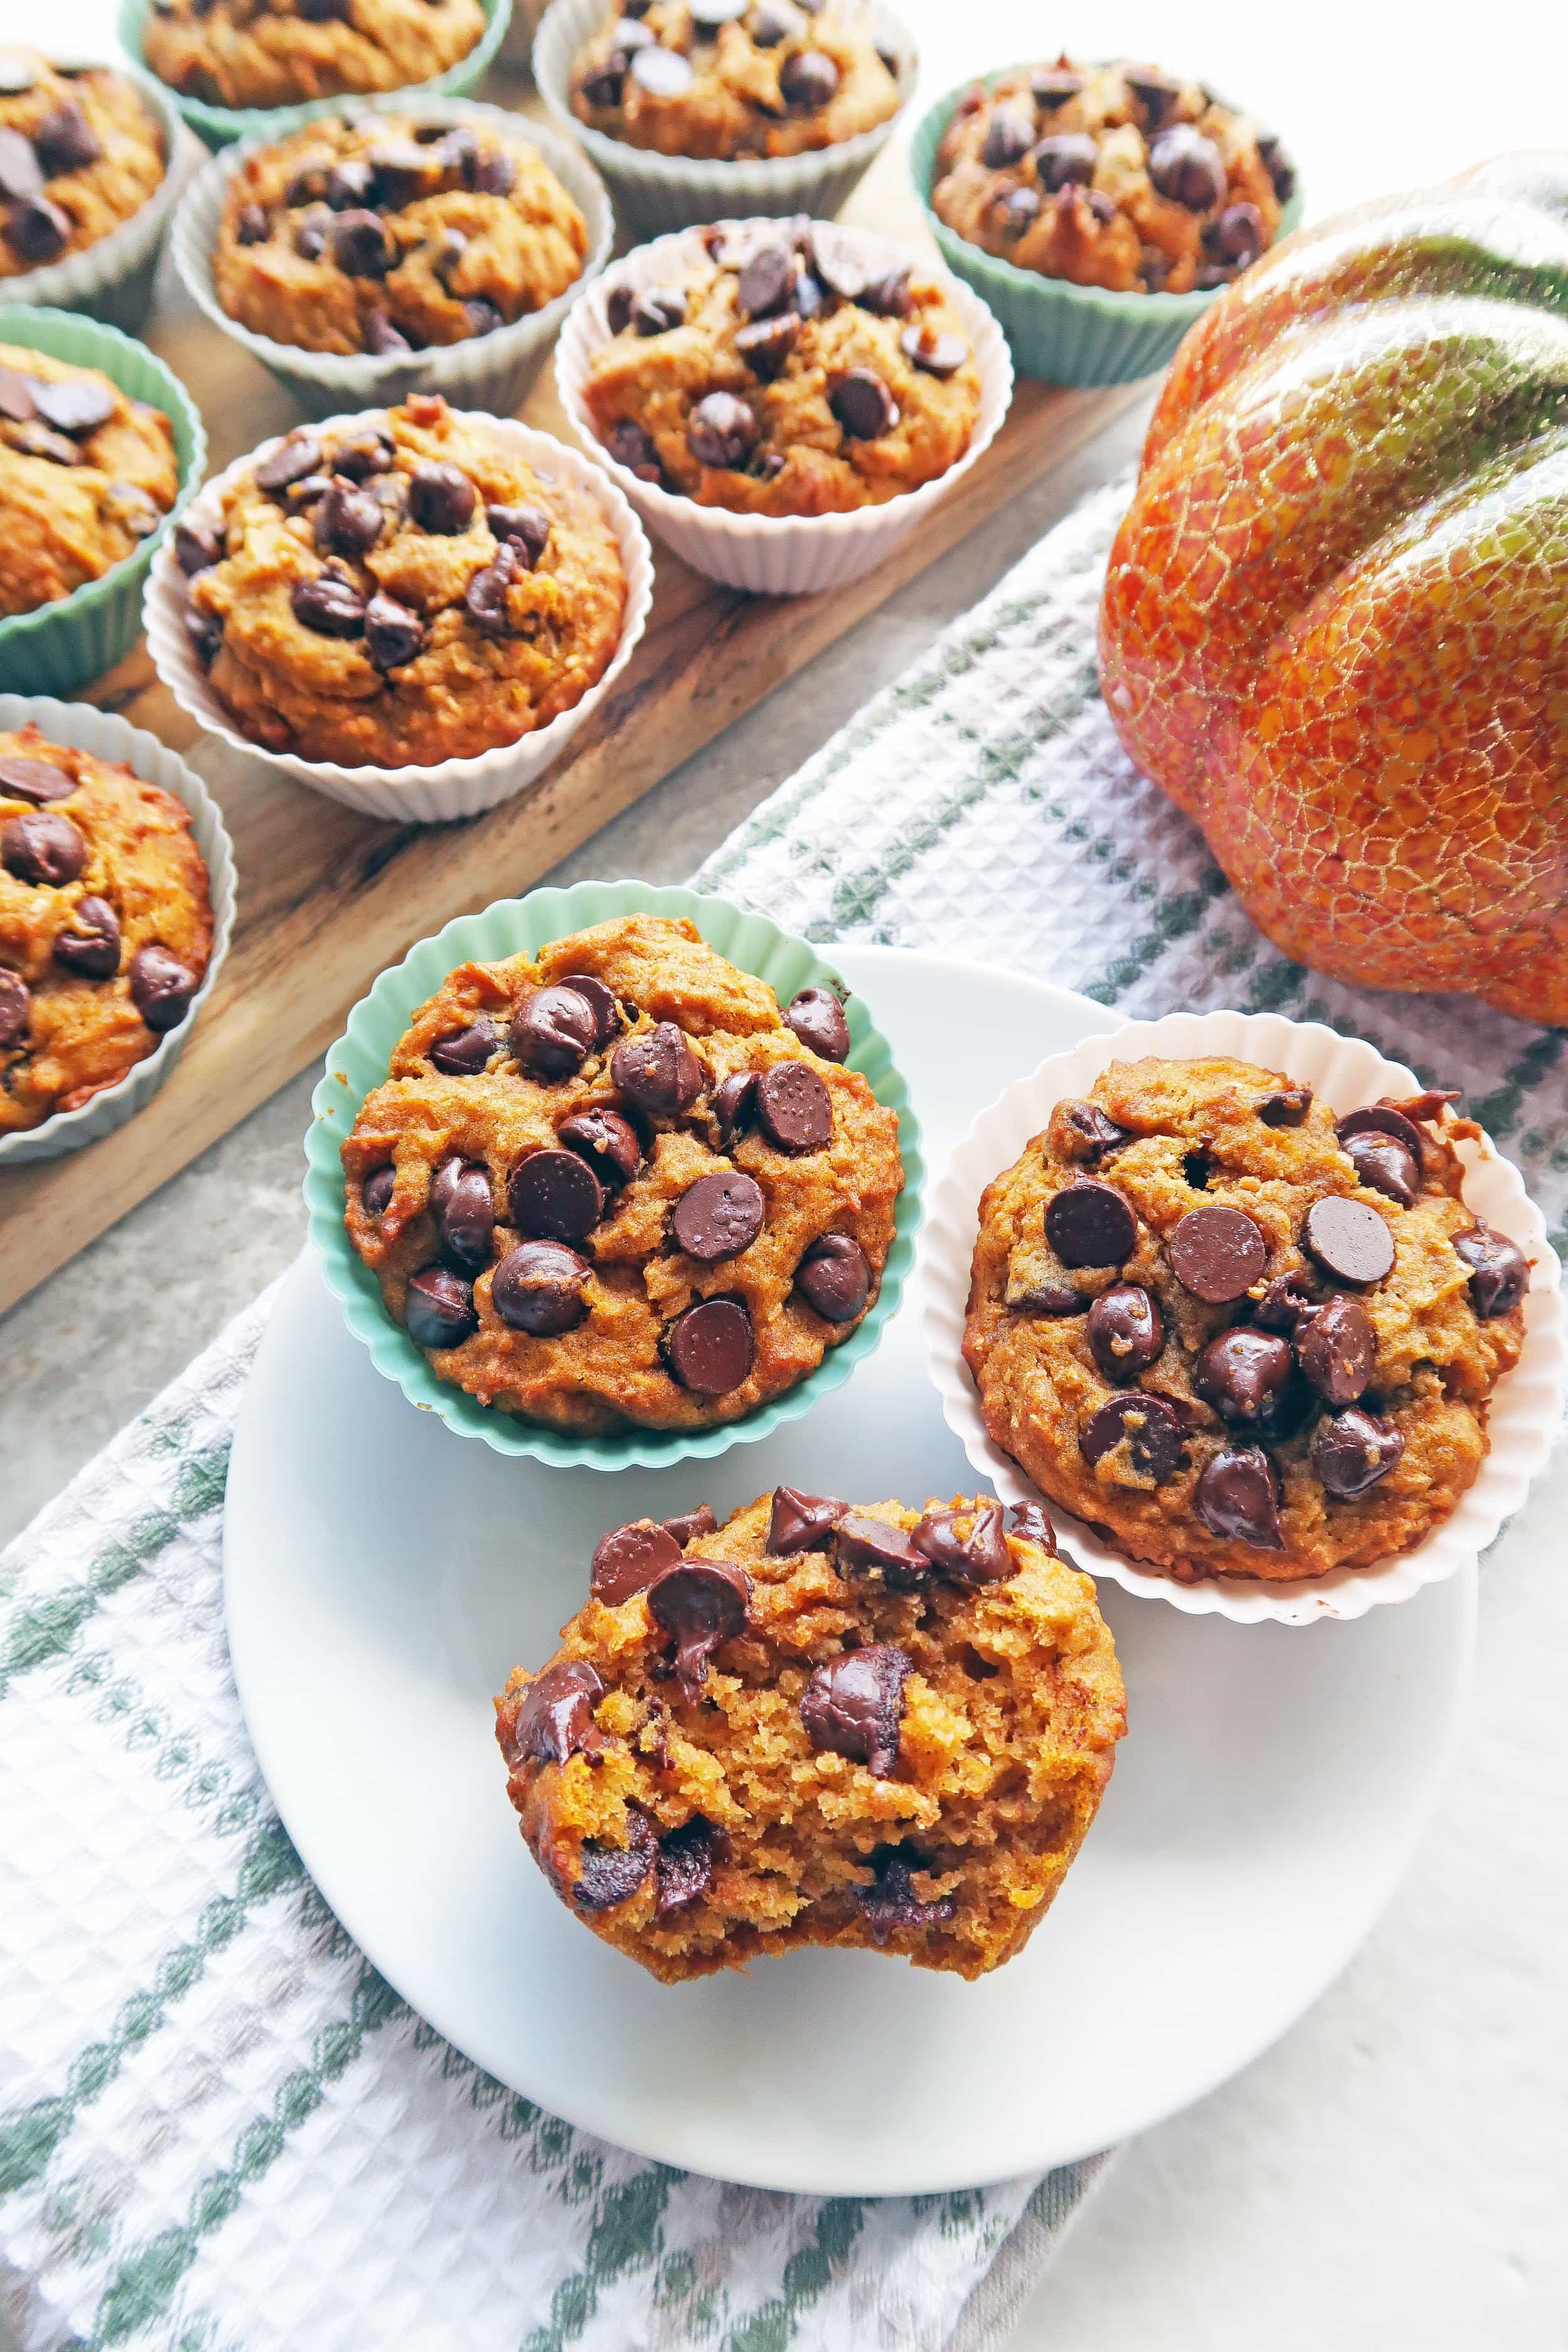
(1335, 626)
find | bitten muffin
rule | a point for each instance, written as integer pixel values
(1116, 176)
(722, 78)
(822, 1723)
(1237, 1336)
(106, 926)
(783, 376)
(239, 53)
(404, 593)
(86, 475)
(385, 234)
(80, 150)
(613, 1184)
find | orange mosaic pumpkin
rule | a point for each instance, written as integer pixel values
(1335, 626)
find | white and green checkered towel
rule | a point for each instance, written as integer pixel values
(219, 2128)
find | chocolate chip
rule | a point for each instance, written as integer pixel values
(1090, 1133)
(1243, 1372)
(38, 230)
(361, 245)
(934, 353)
(601, 1000)
(1153, 1427)
(618, 308)
(348, 520)
(722, 431)
(1284, 1302)
(627, 1560)
(1154, 90)
(657, 1071)
(77, 406)
(630, 447)
(1352, 1451)
(66, 142)
(382, 338)
(556, 1717)
(834, 1277)
(602, 85)
(162, 986)
(463, 1053)
(701, 1605)
(130, 506)
(301, 494)
(808, 78)
(1066, 160)
(801, 1522)
(810, 294)
(197, 547)
(38, 441)
(311, 235)
(1032, 1522)
(204, 631)
(863, 404)
(817, 1016)
(16, 1003)
(1381, 1118)
(1051, 1298)
(1499, 1272)
(1009, 135)
(853, 1706)
(348, 185)
(1280, 172)
(367, 455)
(552, 1031)
(494, 174)
(90, 948)
(795, 1109)
(684, 1871)
(1185, 166)
(733, 1104)
(766, 280)
(981, 1557)
(1217, 1253)
(1052, 86)
(375, 1192)
(606, 1141)
(661, 73)
(711, 1347)
(1237, 236)
(20, 173)
(485, 597)
(1348, 1240)
(324, 12)
(774, 22)
(1019, 210)
(1287, 1107)
(719, 1216)
(888, 296)
(297, 454)
(1101, 207)
(1336, 1347)
(1386, 1165)
(438, 1308)
(556, 1196)
(17, 391)
(1090, 1223)
(482, 315)
(328, 605)
(393, 633)
(526, 527)
(1237, 1499)
(688, 1524)
(442, 499)
(891, 1902)
(610, 1875)
(1126, 1330)
(538, 1288)
(766, 343)
(627, 36)
(866, 1544)
(464, 1212)
(42, 848)
(38, 782)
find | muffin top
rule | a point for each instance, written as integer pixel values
(822, 1723)
(106, 925)
(404, 593)
(1116, 176)
(612, 1183)
(785, 375)
(85, 474)
(1234, 1335)
(724, 79)
(239, 53)
(80, 150)
(385, 234)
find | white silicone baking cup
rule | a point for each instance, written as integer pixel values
(665, 192)
(778, 555)
(1526, 1409)
(488, 371)
(112, 281)
(454, 788)
(108, 737)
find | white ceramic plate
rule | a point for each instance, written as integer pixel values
(382, 1578)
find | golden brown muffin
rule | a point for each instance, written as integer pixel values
(239, 53)
(819, 1724)
(407, 594)
(612, 1183)
(385, 234)
(721, 78)
(80, 150)
(1235, 1336)
(106, 925)
(783, 377)
(86, 475)
(1116, 176)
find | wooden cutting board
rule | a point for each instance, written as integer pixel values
(327, 898)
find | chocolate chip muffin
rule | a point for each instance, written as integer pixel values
(80, 150)
(86, 475)
(385, 234)
(1237, 1336)
(401, 593)
(106, 926)
(724, 79)
(241, 53)
(613, 1184)
(782, 375)
(822, 1723)
(1118, 175)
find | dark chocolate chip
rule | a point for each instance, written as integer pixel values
(1091, 1132)
(734, 1105)
(1237, 1497)
(808, 78)
(348, 185)
(556, 1717)
(810, 294)
(554, 1196)
(361, 245)
(76, 407)
(1499, 1271)
(329, 606)
(1187, 167)
(393, 633)
(602, 85)
(630, 447)
(1032, 1522)
(1336, 1347)
(711, 1347)
(684, 1871)
(37, 782)
(42, 848)
(687, 1525)
(1386, 1165)
(1155, 1429)
(795, 1109)
(311, 235)
(766, 343)
(162, 986)
(766, 280)
(1090, 1223)
(442, 499)
(348, 520)
(722, 431)
(660, 72)
(1066, 160)
(382, 338)
(888, 296)
(538, 1288)
(719, 1216)
(485, 597)
(1051, 1298)
(981, 1557)
(627, 1560)
(197, 547)
(493, 173)
(20, 171)
(601, 1000)
(297, 454)
(1381, 1118)
(66, 142)
(16, 1003)
(1009, 135)
(38, 230)
(204, 631)
(801, 1522)
(834, 1277)
(439, 1309)
(1237, 236)
(90, 948)
(1217, 1253)
(1284, 1302)
(891, 1902)
(863, 404)
(1052, 86)
(1154, 90)
(375, 1192)
(1019, 209)
(16, 401)
(657, 1071)
(701, 1605)
(552, 1031)
(38, 441)
(1243, 1372)
(818, 1018)
(1280, 172)
(463, 1053)
(526, 527)
(606, 1141)
(610, 1875)
(1352, 1451)
(618, 308)
(1101, 206)
(1287, 1107)
(933, 352)
(866, 1544)
(1348, 1240)
(464, 1209)
(1126, 1330)
(853, 1706)
(482, 315)
(324, 12)
(774, 22)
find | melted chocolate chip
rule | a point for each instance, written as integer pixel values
(1352, 1451)
(1185, 166)
(1386, 1165)
(36, 229)
(1091, 1130)
(1153, 1427)
(834, 1277)
(15, 1004)
(866, 1544)
(863, 404)
(853, 1706)
(609, 1875)
(684, 1871)
(485, 597)
(1126, 1330)
(464, 1212)
(375, 1192)
(328, 606)
(627, 1560)
(1243, 1372)
(1499, 1271)
(795, 1109)
(1237, 1499)
(766, 343)
(1009, 135)
(1066, 160)
(348, 183)
(556, 1717)
(348, 520)
(687, 1525)
(556, 1196)
(981, 1557)
(801, 1522)
(766, 280)
(601, 1000)
(1348, 1240)
(701, 1605)
(42, 848)
(733, 1104)
(606, 1141)
(463, 1053)
(722, 431)
(1052, 86)
(1032, 1522)
(76, 407)
(439, 1309)
(1090, 1223)
(197, 547)
(718, 1217)
(527, 527)
(90, 948)
(1336, 1347)
(362, 246)
(162, 986)
(1381, 1118)
(932, 351)
(711, 1347)
(888, 296)
(537, 1288)
(631, 446)
(891, 1902)
(1285, 1300)
(657, 1071)
(37, 782)
(837, 261)
(1237, 236)
(393, 633)
(441, 499)
(1156, 91)
(1287, 1107)
(1217, 1253)
(552, 1031)
(817, 1016)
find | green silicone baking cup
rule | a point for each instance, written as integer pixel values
(1058, 331)
(57, 647)
(219, 124)
(359, 1061)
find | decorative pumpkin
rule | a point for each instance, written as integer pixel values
(1335, 626)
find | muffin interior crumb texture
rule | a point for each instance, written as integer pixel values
(244, 53)
(1236, 1334)
(86, 475)
(822, 1723)
(1119, 176)
(80, 150)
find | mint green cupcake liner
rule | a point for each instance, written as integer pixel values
(60, 646)
(219, 124)
(358, 1063)
(1058, 331)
